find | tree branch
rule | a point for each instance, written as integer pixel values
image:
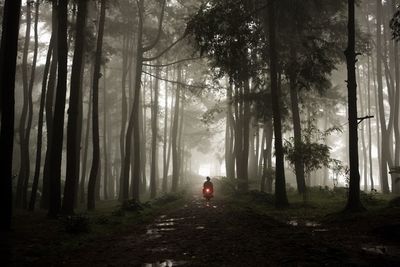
(174, 82)
(160, 22)
(165, 50)
(172, 63)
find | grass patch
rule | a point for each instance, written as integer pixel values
(36, 236)
(318, 204)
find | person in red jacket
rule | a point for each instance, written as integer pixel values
(208, 189)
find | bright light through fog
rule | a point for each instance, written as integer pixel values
(204, 170)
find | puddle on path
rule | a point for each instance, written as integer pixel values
(163, 224)
(200, 228)
(172, 219)
(166, 229)
(382, 250)
(303, 223)
(166, 263)
(321, 230)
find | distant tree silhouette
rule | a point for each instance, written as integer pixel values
(8, 55)
(353, 203)
(59, 107)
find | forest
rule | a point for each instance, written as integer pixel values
(114, 113)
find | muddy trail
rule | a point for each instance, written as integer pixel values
(200, 234)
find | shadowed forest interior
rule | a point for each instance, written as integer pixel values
(114, 112)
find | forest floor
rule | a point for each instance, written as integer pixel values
(242, 231)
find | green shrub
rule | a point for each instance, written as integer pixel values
(369, 198)
(395, 202)
(76, 224)
(102, 220)
(261, 197)
(132, 205)
(118, 212)
(226, 186)
(167, 198)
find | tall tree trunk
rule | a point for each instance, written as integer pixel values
(238, 132)
(371, 177)
(73, 147)
(133, 130)
(94, 171)
(143, 149)
(175, 151)
(8, 56)
(58, 120)
(154, 147)
(45, 199)
(124, 178)
(105, 135)
(364, 149)
(169, 149)
(353, 203)
(30, 101)
(385, 135)
(280, 183)
(165, 169)
(229, 135)
(23, 175)
(180, 139)
(86, 148)
(268, 155)
(41, 116)
(395, 177)
(294, 100)
(244, 178)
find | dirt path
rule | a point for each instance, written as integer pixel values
(214, 235)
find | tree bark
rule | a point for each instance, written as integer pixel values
(124, 179)
(58, 120)
(40, 123)
(175, 152)
(280, 183)
(73, 147)
(353, 202)
(45, 199)
(94, 171)
(154, 147)
(385, 135)
(165, 168)
(30, 101)
(8, 56)
(294, 100)
(105, 135)
(24, 169)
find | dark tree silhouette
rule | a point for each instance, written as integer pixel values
(41, 116)
(58, 120)
(95, 112)
(8, 55)
(280, 184)
(49, 110)
(354, 203)
(73, 147)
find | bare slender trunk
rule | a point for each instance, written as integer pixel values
(9, 47)
(154, 147)
(73, 142)
(45, 199)
(353, 203)
(40, 122)
(24, 169)
(59, 107)
(94, 172)
(280, 182)
(385, 135)
(175, 152)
